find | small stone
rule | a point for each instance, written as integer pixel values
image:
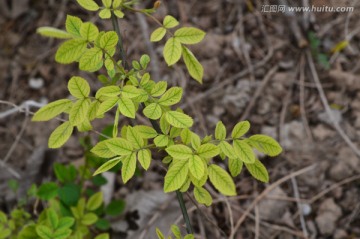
(271, 209)
(36, 83)
(328, 214)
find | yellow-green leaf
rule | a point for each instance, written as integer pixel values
(158, 89)
(189, 35)
(244, 152)
(105, 13)
(107, 105)
(265, 144)
(78, 87)
(176, 175)
(107, 3)
(53, 32)
(119, 146)
(119, 13)
(144, 157)
(153, 111)
(172, 51)
(240, 129)
(170, 22)
(89, 219)
(101, 149)
(92, 60)
(196, 166)
(89, 31)
(128, 167)
(235, 166)
(171, 96)
(208, 150)
(90, 5)
(178, 119)
(179, 151)
(130, 91)
(94, 201)
(221, 180)
(220, 131)
(146, 132)
(161, 140)
(227, 149)
(109, 40)
(176, 231)
(79, 111)
(134, 137)
(73, 25)
(70, 51)
(60, 135)
(194, 67)
(107, 165)
(258, 171)
(202, 196)
(158, 34)
(52, 110)
(127, 107)
(109, 91)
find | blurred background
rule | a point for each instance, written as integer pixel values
(294, 74)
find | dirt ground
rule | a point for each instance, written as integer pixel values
(295, 77)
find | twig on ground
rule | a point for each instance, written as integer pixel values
(326, 105)
(266, 191)
(296, 195)
(257, 222)
(258, 92)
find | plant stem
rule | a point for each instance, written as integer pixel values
(154, 123)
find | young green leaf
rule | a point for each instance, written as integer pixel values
(159, 89)
(202, 196)
(153, 111)
(107, 165)
(178, 119)
(176, 231)
(52, 110)
(119, 13)
(92, 60)
(127, 107)
(158, 34)
(146, 132)
(189, 35)
(208, 150)
(78, 87)
(258, 171)
(70, 51)
(172, 51)
(119, 146)
(66, 222)
(52, 217)
(170, 22)
(134, 137)
(220, 131)
(144, 157)
(47, 191)
(44, 232)
(89, 219)
(164, 125)
(128, 167)
(194, 67)
(109, 91)
(107, 3)
(101, 149)
(107, 105)
(227, 149)
(196, 166)
(171, 97)
(73, 25)
(144, 61)
(235, 166)
(90, 5)
(89, 31)
(61, 233)
(130, 91)
(161, 140)
(105, 13)
(176, 175)
(189, 236)
(159, 234)
(109, 40)
(79, 112)
(94, 201)
(60, 135)
(265, 144)
(186, 136)
(115, 207)
(240, 129)
(179, 151)
(244, 152)
(53, 32)
(195, 141)
(221, 180)
(103, 236)
(117, 3)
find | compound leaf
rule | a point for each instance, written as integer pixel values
(221, 180)
(60, 135)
